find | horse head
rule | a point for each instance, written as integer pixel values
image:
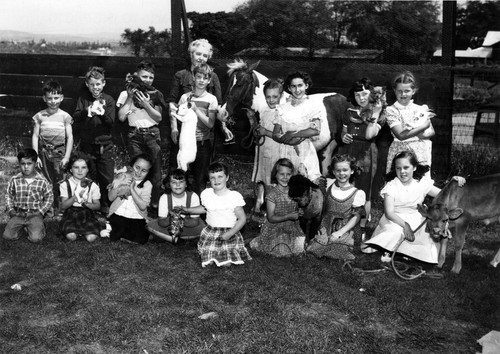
(242, 84)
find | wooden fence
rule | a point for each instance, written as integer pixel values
(22, 75)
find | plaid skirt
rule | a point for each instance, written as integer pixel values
(81, 221)
(213, 249)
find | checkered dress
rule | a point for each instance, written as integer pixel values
(213, 249)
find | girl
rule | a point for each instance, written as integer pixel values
(127, 213)
(410, 123)
(79, 198)
(281, 234)
(360, 127)
(267, 153)
(297, 122)
(177, 193)
(221, 241)
(343, 211)
(405, 190)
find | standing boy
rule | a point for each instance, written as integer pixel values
(29, 196)
(205, 107)
(52, 137)
(142, 109)
(94, 117)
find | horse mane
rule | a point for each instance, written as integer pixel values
(237, 64)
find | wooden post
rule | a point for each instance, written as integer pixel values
(176, 13)
(448, 62)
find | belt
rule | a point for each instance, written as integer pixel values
(51, 146)
(144, 130)
(23, 211)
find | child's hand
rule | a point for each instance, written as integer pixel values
(142, 99)
(408, 233)
(460, 180)
(335, 235)
(39, 163)
(347, 138)
(293, 216)
(63, 162)
(287, 137)
(226, 236)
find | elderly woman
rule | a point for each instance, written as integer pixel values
(200, 51)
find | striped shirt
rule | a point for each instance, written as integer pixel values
(34, 196)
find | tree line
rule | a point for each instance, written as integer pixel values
(407, 32)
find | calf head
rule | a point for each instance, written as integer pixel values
(438, 217)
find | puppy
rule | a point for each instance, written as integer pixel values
(187, 137)
(121, 183)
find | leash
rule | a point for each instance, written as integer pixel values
(393, 263)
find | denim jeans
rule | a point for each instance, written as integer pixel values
(199, 167)
(31, 222)
(148, 141)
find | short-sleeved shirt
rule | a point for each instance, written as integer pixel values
(53, 126)
(163, 203)
(206, 103)
(220, 209)
(92, 194)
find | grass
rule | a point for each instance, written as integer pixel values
(119, 298)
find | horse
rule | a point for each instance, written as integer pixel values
(246, 89)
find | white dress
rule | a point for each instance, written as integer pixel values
(388, 234)
(295, 118)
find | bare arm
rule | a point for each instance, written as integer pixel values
(273, 218)
(69, 144)
(392, 216)
(409, 133)
(241, 220)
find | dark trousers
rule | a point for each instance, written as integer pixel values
(129, 229)
(199, 167)
(148, 141)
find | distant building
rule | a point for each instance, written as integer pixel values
(365, 55)
(490, 49)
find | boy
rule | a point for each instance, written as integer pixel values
(205, 107)
(94, 117)
(52, 137)
(143, 110)
(29, 196)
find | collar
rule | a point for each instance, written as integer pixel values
(401, 107)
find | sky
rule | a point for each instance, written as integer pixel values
(96, 16)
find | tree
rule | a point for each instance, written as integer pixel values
(407, 31)
(474, 21)
(148, 43)
(228, 32)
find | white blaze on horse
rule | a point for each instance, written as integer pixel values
(246, 89)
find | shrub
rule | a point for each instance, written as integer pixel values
(474, 160)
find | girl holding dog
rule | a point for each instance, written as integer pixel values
(281, 234)
(79, 199)
(177, 194)
(128, 211)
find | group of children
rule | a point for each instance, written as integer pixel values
(290, 126)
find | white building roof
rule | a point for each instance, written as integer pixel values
(480, 52)
(492, 38)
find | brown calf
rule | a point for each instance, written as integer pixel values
(478, 199)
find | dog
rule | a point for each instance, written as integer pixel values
(121, 183)
(187, 137)
(134, 83)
